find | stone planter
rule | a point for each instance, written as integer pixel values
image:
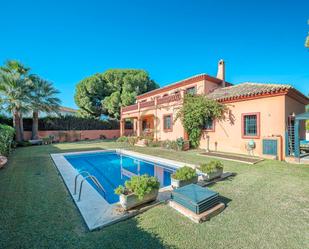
(213, 175)
(131, 200)
(180, 183)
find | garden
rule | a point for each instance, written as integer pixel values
(267, 206)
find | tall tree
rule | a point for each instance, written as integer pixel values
(105, 93)
(43, 99)
(14, 91)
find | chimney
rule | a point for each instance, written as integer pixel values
(221, 72)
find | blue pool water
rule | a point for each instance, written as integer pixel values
(113, 169)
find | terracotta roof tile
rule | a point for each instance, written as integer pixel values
(247, 89)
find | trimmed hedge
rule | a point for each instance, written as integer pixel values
(6, 139)
(67, 123)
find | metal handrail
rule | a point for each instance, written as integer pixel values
(75, 181)
(96, 182)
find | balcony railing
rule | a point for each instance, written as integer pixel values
(168, 99)
(160, 101)
(130, 108)
(147, 104)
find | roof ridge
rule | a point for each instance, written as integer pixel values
(266, 83)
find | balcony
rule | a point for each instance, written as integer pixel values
(147, 104)
(169, 99)
(130, 108)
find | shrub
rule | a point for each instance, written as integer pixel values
(180, 143)
(48, 139)
(66, 123)
(167, 144)
(211, 167)
(193, 113)
(139, 185)
(24, 144)
(154, 144)
(102, 136)
(184, 173)
(122, 139)
(132, 140)
(6, 139)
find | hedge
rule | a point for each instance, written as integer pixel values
(6, 139)
(67, 123)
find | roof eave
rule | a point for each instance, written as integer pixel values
(177, 84)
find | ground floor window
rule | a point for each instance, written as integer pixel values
(209, 124)
(251, 125)
(167, 119)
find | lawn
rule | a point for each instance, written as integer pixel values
(268, 207)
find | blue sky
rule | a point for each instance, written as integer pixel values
(65, 41)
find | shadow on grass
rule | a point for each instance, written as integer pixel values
(128, 234)
(45, 216)
(225, 200)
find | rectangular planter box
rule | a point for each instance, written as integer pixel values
(180, 183)
(211, 176)
(130, 201)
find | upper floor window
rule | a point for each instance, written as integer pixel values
(164, 95)
(208, 124)
(251, 125)
(191, 90)
(167, 122)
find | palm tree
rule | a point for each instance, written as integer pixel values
(14, 92)
(14, 96)
(43, 99)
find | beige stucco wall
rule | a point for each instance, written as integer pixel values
(228, 133)
(177, 128)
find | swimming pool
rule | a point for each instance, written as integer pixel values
(113, 168)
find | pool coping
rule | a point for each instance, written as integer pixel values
(94, 209)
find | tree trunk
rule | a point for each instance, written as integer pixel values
(16, 122)
(35, 125)
(21, 126)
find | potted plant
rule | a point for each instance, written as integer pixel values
(138, 190)
(183, 176)
(211, 170)
(180, 143)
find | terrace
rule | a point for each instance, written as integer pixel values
(170, 99)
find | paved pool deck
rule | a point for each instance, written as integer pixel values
(95, 210)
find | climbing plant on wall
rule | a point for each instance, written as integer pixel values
(193, 113)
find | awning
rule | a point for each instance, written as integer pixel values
(302, 116)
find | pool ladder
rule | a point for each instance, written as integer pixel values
(92, 177)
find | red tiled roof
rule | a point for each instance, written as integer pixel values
(250, 89)
(181, 83)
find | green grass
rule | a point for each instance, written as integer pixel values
(267, 208)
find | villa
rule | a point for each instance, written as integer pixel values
(260, 120)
